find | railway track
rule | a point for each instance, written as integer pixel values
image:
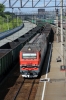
(27, 90)
(16, 87)
(9, 87)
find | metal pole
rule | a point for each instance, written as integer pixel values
(20, 15)
(17, 21)
(7, 23)
(65, 74)
(65, 60)
(57, 28)
(3, 23)
(62, 30)
(12, 18)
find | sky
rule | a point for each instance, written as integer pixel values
(31, 10)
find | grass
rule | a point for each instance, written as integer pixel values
(12, 23)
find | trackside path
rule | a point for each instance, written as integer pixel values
(56, 87)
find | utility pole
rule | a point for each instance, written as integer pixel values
(7, 23)
(20, 14)
(17, 21)
(57, 24)
(62, 31)
(12, 18)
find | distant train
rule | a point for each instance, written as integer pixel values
(32, 55)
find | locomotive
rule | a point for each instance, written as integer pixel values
(32, 55)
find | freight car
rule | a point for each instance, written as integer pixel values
(9, 52)
(5, 61)
(32, 55)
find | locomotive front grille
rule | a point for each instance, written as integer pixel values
(29, 66)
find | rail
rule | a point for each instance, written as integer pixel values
(10, 32)
(32, 84)
(18, 90)
(31, 89)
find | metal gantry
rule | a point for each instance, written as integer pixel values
(31, 3)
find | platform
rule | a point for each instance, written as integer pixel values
(55, 89)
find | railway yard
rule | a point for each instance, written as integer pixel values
(50, 85)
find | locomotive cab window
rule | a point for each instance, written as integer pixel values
(29, 55)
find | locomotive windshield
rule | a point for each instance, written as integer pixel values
(29, 55)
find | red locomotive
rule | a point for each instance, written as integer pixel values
(32, 55)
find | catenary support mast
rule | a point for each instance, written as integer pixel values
(62, 30)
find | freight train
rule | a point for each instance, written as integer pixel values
(32, 55)
(9, 52)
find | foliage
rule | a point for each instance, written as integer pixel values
(2, 8)
(8, 20)
(2, 14)
(11, 23)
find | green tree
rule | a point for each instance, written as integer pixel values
(2, 8)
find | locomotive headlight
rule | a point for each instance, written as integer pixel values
(29, 49)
